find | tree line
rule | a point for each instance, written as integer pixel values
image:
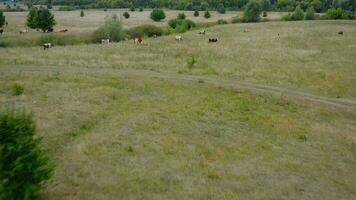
(268, 5)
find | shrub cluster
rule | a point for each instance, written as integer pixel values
(339, 13)
(181, 25)
(221, 21)
(112, 30)
(144, 31)
(252, 11)
(126, 15)
(17, 89)
(40, 18)
(24, 166)
(157, 15)
(207, 14)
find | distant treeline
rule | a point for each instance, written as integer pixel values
(274, 5)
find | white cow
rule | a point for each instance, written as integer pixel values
(178, 38)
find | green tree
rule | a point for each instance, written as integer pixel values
(252, 11)
(112, 30)
(157, 14)
(310, 13)
(221, 9)
(298, 14)
(181, 16)
(207, 14)
(32, 18)
(196, 13)
(2, 19)
(82, 13)
(24, 165)
(49, 4)
(45, 20)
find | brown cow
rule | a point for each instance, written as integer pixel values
(138, 40)
(63, 30)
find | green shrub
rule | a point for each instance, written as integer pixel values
(221, 9)
(181, 25)
(2, 19)
(5, 43)
(157, 15)
(181, 16)
(207, 14)
(140, 10)
(298, 14)
(81, 13)
(126, 15)
(310, 13)
(196, 13)
(40, 18)
(264, 14)
(112, 30)
(252, 11)
(144, 30)
(132, 9)
(338, 13)
(191, 62)
(24, 166)
(221, 21)
(17, 89)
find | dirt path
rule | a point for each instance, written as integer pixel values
(335, 102)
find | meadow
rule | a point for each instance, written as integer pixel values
(115, 131)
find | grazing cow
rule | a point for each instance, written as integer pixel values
(341, 32)
(138, 40)
(213, 40)
(178, 38)
(47, 46)
(63, 30)
(23, 31)
(105, 41)
(202, 32)
(246, 30)
(1, 31)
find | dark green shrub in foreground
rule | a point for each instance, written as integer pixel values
(310, 13)
(157, 15)
(196, 13)
(207, 14)
(126, 15)
(252, 11)
(112, 30)
(17, 89)
(24, 166)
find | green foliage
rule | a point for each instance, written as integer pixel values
(336, 13)
(141, 9)
(310, 13)
(60, 40)
(40, 18)
(17, 89)
(207, 14)
(181, 25)
(264, 14)
(82, 13)
(181, 16)
(298, 14)
(221, 9)
(126, 15)
(196, 13)
(221, 21)
(144, 30)
(252, 11)
(2, 19)
(112, 30)
(132, 9)
(24, 166)
(157, 15)
(66, 8)
(191, 62)
(49, 4)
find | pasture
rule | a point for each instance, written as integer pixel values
(145, 122)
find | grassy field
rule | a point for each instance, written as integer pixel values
(113, 134)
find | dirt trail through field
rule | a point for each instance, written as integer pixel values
(167, 75)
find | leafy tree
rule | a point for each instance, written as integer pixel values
(310, 13)
(336, 13)
(112, 30)
(207, 14)
(298, 14)
(157, 15)
(252, 11)
(126, 15)
(24, 165)
(32, 18)
(181, 16)
(82, 13)
(2, 19)
(40, 18)
(196, 13)
(221, 9)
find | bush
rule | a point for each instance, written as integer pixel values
(157, 15)
(221, 21)
(132, 9)
(264, 14)
(126, 15)
(181, 16)
(17, 89)
(252, 11)
(140, 10)
(112, 30)
(144, 30)
(81, 13)
(24, 165)
(221, 9)
(181, 25)
(2, 19)
(298, 14)
(40, 18)
(338, 13)
(310, 13)
(5, 43)
(196, 13)
(207, 14)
